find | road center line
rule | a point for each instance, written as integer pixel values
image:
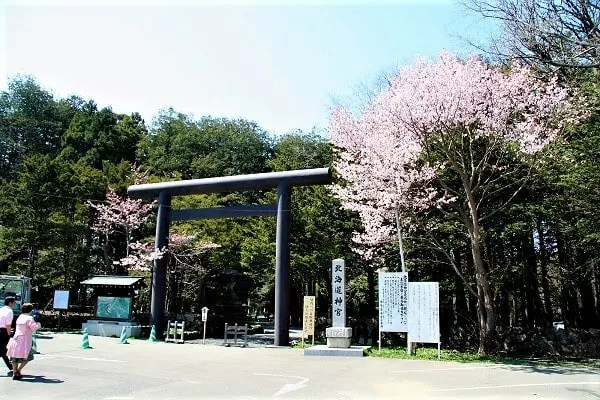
(118, 398)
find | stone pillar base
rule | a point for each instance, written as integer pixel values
(339, 338)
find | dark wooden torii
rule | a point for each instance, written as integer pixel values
(283, 181)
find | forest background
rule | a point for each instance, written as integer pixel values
(60, 158)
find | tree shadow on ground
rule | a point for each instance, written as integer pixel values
(550, 366)
(551, 369)
(590, 392)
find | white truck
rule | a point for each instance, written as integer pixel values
(18, 287)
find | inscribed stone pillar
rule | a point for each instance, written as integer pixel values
(338, 336)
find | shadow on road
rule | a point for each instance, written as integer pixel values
(552, 369)
(39, 379)
(586, 391)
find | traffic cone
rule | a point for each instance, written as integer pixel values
(123, 339)
(34, 349)
(152, 337)
(85, 341)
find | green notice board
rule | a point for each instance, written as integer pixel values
(113, 307)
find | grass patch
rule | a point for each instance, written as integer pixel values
(456, 356)
(307, 344)
(428, 354)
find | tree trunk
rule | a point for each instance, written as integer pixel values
(588, 309)
(596, 294)
(32, 257)
(534, 310)
(109, 266)
(401, 247)
(460, 302)
(544, 274)
(371, 306)
(504, 308)
(472, 300)
(503, 301)
(485, 304)
(569, 303)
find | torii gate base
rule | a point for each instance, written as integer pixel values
(283, 181)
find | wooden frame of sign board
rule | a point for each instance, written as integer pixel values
(393, 306)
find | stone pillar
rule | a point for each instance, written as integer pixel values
(338, 336)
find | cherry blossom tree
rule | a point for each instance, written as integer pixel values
(141, 256)
(185, 266)
(187, 269)
(451, 118)
(119, 215)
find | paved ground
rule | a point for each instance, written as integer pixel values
(146, 371)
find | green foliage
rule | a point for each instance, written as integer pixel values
(429, 353)
(99, 137)
(204, 148)
(56, 154)
(31, 121)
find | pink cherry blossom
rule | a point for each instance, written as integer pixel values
(380, 151)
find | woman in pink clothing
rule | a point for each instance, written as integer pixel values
(19, 346)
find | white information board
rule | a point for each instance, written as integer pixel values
(393, 302)
(423, 312)
(338, 297)
(61, 300)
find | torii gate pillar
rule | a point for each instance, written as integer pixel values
(282, 267)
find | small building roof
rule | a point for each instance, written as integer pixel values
(114, 281)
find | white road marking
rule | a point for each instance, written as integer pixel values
(448, 369)
(119, 398)
(517, 386)
(47, 357)
(288, 387)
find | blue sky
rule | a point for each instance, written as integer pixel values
(280, 66)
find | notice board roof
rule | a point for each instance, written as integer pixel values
(114, 281)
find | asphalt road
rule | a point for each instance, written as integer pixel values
(146, 371)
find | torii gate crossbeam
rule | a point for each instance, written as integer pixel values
(283, 181)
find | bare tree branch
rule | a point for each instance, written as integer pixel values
(547, 34)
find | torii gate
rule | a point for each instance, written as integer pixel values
(283, 181)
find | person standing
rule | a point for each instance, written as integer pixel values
(6, 319)
(19, 347)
